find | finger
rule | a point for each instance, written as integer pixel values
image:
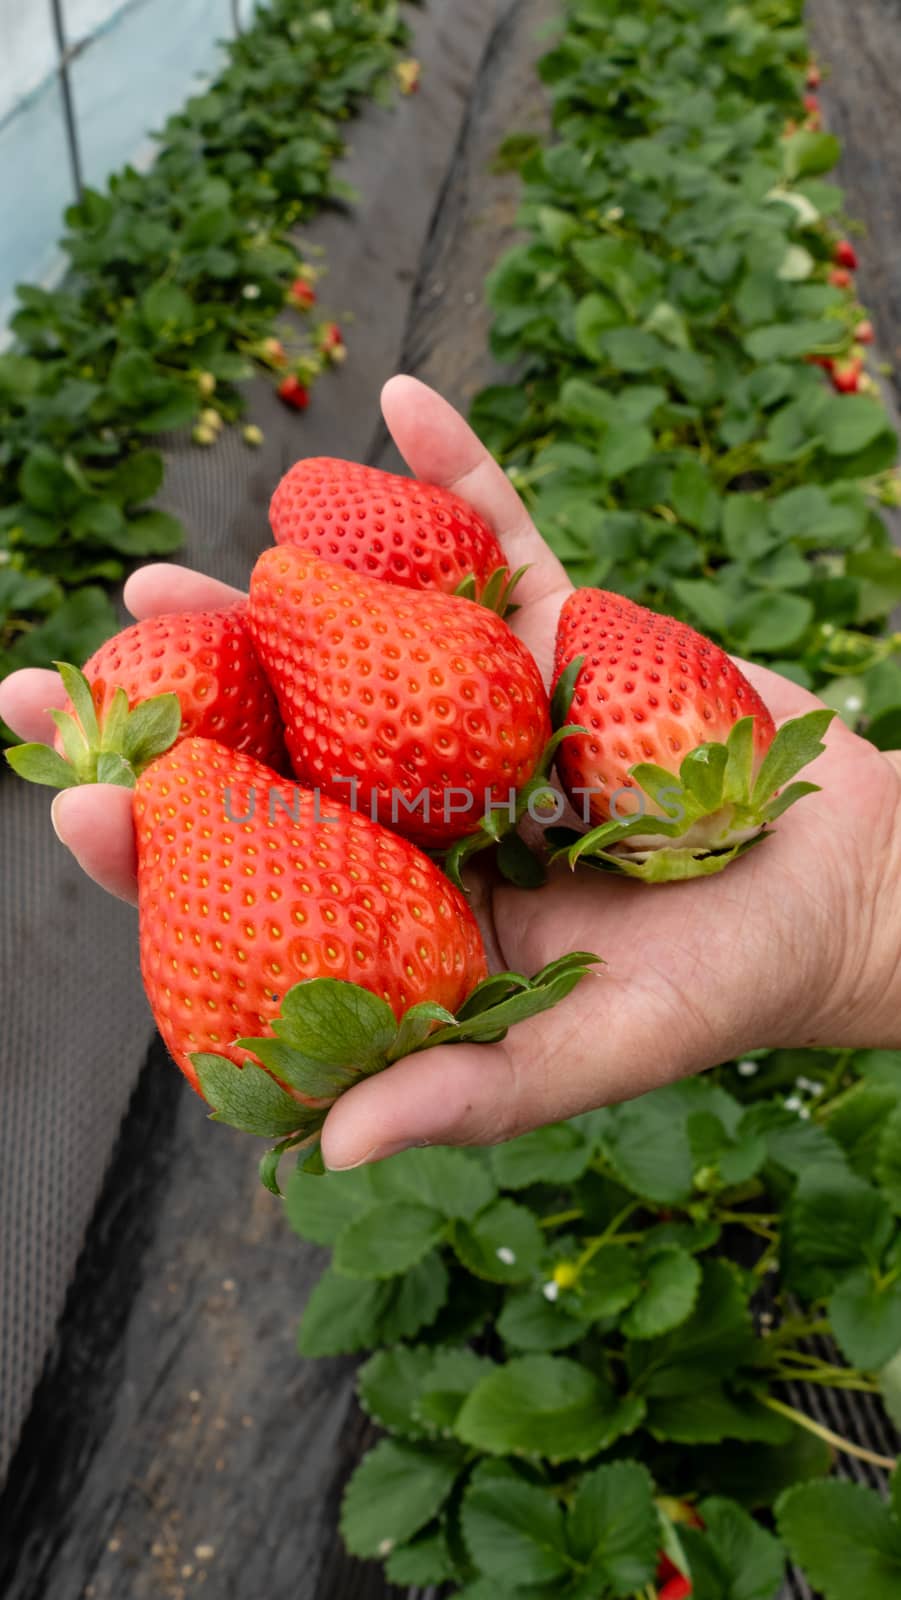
(782, 698)
(164, 586)
(482, 1094)
(96, 824)
(24, 700)
(439, 447)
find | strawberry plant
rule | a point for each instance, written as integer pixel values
(178, 279)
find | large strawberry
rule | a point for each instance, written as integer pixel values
(386, 526)
(200, 670)
(680, 761)
(422, 709)
(308, 942)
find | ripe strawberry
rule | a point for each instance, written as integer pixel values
(812, 104)
(388, 526)
(676, 741)
(235, 912)
(302, 294)
(168, 677)
(293, 393)
(678, 1588)
(846, 376)
(845, 255)
(863, 333)
(423, 706)
(840, 278)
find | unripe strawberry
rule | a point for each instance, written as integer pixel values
(273, 351)
(863, 333)
(211, 419)
(408, 74)
(331, 343)
(204, 434)
(840, 278)
(206, 384)
(252, 434)
(814, 76)
(845, 255)
(292, 392)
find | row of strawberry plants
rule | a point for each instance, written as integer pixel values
(586, 1339)
(178, 284)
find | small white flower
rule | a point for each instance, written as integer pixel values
(251, 291)
(854, 702)
(792, 1102)
(386, 1547)
(505, 1254)
(614, 214)
(804, 1113)
(551, 1290)
(747, 1069)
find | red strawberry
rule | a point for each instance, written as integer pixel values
(168, 677)
(331, 342)
(302, 294)
(234, 913)
(678, 1588)
(840, 278)
(811, 104)
(863, 333)
(385, 525)
(846, 376)
(650, 691)
(427, 701)
(845, 255)
(293, 393)
(814, 76)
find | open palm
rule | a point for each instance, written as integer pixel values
(798, 943)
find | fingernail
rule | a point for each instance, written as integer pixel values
(379, 1152)
(54, 812)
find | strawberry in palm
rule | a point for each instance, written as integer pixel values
(420, 708)
(679, 764)
(198, 671)
(289, 951)
(378, 523)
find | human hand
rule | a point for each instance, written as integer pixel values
(797, 944)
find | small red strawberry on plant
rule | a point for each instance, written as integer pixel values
(680, 767)
(845, 255)
(814, 76)
(331, 343)
(293, 393)
(423, 708)
(301, 294)
(840, 278)
(846, 376)
(408, 533)
(811, 104)
(864, 333)
(677, 1588)
(186, 673)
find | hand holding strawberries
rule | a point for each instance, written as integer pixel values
(799, 944)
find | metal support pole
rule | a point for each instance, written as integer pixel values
(64, 58)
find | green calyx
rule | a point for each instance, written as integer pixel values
(497, 594)
(713, 811)
(537, 798)
(331, 1034)
(115, 749)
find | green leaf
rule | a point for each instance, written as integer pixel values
(694, 497)
(557, 1154)
(866, 1317)
(319, 1207)
(514, 1531)
(833, 1223)
(609, 1283)
(770, 623)
(805, 154)
(545, 1406)
(454, 1182)
(648, 1147)
(426, 1560)
(388, 1386)
(748, 1560)
(342, 1314)
(888, 1160)
(711, 1414)
(787, 340)
(453, 1375)
(413, 1301)
(847, 1541)
(713, 1343)
(394, 1492)
(614, 1525)
(529, 1321)
(39, 764)
(503, 1243)
(670, 1282)
(851, 423)
(149, 729)
(151, 533)
(387, 1240)
(246, 1098)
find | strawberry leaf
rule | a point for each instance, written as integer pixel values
(39, 764)
(247, 1098)
(796, 744)
(330, 1023)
